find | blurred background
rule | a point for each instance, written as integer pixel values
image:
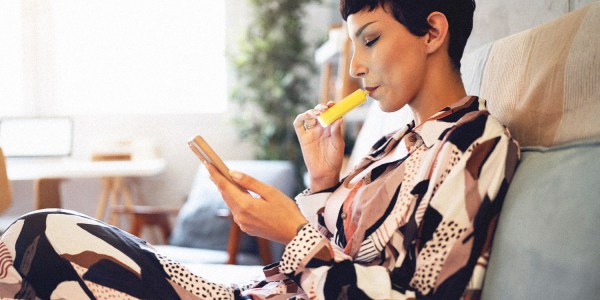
(141, 77)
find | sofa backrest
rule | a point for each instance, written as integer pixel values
(544, 83)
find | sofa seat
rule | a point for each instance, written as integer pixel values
(191, 255)
(209, 264)
(227, 274)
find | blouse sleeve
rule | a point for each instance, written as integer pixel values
(459, 207)
(311, 204)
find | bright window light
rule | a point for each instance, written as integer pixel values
(11, 59)
(138, 56)
(109, 56)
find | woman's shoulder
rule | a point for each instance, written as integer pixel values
(476, 122)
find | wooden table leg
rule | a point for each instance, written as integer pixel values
(142, 216)
(137, 223)
(233, 244)
(47, 193)
(165, 226)
(114, 191)
(264, 250)
(102, 201)
(5, 187)
(115, 196)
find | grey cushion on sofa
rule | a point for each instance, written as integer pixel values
(547, 244)
(198, 225)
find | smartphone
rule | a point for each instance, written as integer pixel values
(206, 154)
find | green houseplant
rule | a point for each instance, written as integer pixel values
(273, 67)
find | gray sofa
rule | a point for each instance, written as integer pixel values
(543, 83)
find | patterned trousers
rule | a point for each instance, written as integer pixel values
(54, 254)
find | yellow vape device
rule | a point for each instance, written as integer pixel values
(335, 112)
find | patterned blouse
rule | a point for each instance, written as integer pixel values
(415, 218)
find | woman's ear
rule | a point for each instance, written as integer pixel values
(438, 33)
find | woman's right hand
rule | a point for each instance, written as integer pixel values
(322, 148)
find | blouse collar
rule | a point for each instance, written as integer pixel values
(434, 127)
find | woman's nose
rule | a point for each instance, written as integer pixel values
(357, 70)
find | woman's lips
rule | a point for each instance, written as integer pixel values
(371, 89)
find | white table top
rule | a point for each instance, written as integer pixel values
(31, 169)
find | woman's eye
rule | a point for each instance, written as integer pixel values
(371, 42)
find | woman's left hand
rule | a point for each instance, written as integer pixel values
(273, 215)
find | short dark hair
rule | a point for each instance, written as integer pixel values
(413, 15)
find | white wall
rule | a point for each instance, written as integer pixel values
(495, 19)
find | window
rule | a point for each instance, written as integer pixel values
(127, 56)
(11, 59)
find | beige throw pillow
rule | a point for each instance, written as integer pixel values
(544, 83)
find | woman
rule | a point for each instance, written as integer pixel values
(414, 219)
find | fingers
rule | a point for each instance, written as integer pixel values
(232, 195)
(246, 182)
(252, 184)
(337, 133)
(308, 119)
(273, 216)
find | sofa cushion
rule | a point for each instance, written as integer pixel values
(472, 66)
(198, 224)
(544, 83)
(548, 237)
(190, 256)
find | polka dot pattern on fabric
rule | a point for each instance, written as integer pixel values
(193, 283)
(455, 155)
(306, 239)
(432, 257)
(410, 173)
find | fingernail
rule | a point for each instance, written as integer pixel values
(235, 175)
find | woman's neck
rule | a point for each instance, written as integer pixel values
(442, 87)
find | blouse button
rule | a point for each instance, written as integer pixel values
(412, 138)
(343, 215)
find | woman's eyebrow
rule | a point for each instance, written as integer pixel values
(360, 30)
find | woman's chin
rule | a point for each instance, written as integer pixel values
(385, 107)
(389, 107)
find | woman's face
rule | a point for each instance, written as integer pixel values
(390, 60)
